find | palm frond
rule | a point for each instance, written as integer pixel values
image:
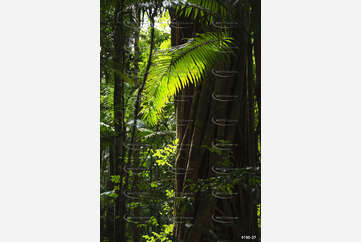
(202, 8)
(180, 66)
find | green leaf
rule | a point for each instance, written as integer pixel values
(177, 68)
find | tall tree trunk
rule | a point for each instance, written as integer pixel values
(200, 126)
(136, 231)
(119, 35)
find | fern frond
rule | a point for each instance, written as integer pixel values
(201, 8)
(180, 66)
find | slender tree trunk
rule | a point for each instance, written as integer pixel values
(152, 14)
(110, 211)
(136, 231)
(136, 43)
(119, 35)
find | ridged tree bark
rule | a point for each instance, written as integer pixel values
(201, 124)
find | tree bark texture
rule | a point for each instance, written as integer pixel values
(205, 119)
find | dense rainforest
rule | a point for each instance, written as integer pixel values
(180, 110)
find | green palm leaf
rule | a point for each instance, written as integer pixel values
(176, 68)
(208, 8)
